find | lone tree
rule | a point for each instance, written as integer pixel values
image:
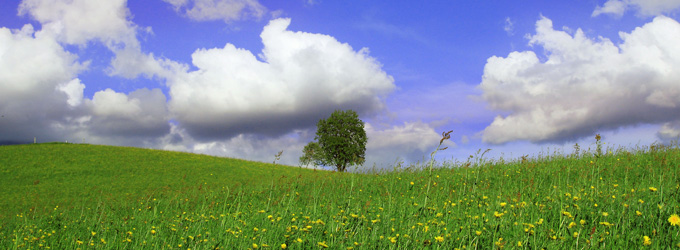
(340, 142)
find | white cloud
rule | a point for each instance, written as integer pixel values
(411, 142)
(130, 63)
(111, 103)
(74, 91)
(79, 21)
(30, 62)
(142, 113)
(509, 26)
(642, 7)
(226, 10)
(585, 85)
(613, 7)
(299, 79)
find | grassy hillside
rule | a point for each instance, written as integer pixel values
(610, 200)
(39, 176)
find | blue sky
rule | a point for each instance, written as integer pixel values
(248, 78)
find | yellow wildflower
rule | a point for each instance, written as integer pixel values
(322, 244)
(606, 224)
(674, 220)
(646, 241)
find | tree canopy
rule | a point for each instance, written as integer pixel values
(340, 141)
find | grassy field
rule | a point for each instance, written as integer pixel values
(70, 196)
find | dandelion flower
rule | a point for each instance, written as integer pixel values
(653, 189)
(283, 246)
(322, 244)
(646, 241)
(606, 224)
(674, 220)
(439, 239)
(638, 213)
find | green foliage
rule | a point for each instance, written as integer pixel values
(340, 141)
(312, 154)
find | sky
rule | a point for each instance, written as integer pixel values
(250, 78)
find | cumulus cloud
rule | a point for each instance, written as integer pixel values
(613, 7)
(410, 142)
(79, 22)
(74, 92)
(226, 10)
(38, 84)
(130, 62)
(584, 85)
(298, 79)
(41, 96)
(642, 7)
(142, 113)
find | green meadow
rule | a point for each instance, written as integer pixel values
(77, 196)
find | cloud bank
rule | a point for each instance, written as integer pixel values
(583, 85)
(36, 92)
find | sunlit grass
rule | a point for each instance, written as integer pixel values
(610, 199)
